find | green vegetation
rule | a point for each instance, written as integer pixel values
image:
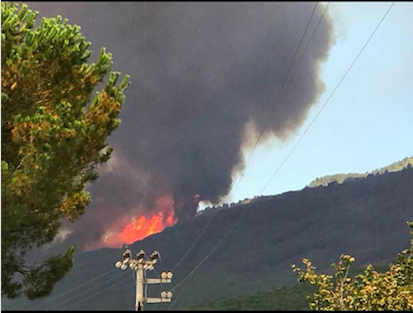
(360, 218)
(391, 290)
(340, 178)
(289, 298)
(53, 137)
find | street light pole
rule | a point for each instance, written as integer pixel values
(139, 288)
(140, 265)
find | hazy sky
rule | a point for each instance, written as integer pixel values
(368, 122)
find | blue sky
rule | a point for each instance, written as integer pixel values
(367, 123)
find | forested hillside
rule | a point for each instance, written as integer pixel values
(288, 298)
(364, 218)
(340, 178)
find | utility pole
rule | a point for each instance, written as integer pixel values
(140, 265)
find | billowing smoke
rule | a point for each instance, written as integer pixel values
(201, 72)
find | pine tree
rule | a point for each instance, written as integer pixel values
(54, 133)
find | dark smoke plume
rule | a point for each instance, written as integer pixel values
(201, 72)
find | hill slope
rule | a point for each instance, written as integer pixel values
(365, 218)
(340, 178)
(287, 298)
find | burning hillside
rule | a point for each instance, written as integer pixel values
(155, 221)
(202, 73)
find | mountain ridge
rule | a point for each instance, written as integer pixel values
(320, 223)
(340, 178)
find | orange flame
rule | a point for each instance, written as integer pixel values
(160, 217)
(144, 227)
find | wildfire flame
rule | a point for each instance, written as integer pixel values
(155, 221)
(146, 226)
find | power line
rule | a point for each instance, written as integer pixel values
(180, 293)
(70, 290)
(94, 295)
(82, 293)
(240, 175)
(196, 241)
(309, 41)
(276, 99)
(289, 154)
(331, 95)
(216, 246)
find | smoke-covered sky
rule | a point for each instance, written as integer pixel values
(202, 74)
(367, 124)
